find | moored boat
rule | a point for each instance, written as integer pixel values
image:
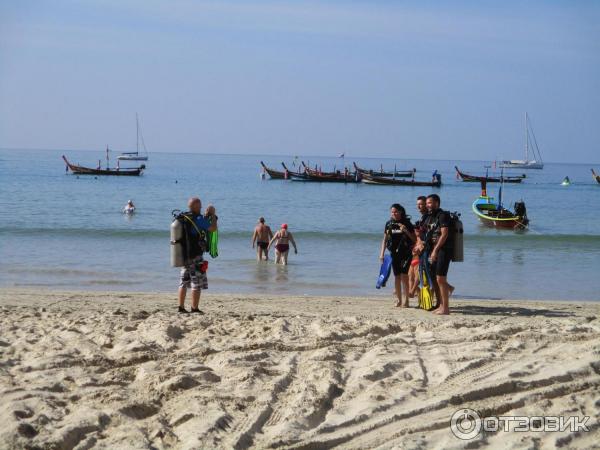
(436, 181)
(478, 179)
(335, 178)
(274, 174)
(536, 162)
(291, 173)
(382, 173)
(135, 156)
(491, 213)
(82, 170)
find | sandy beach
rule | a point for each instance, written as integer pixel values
(119, 370)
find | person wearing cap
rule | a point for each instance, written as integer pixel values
(282, 248)
(129, 208)
(261, 237)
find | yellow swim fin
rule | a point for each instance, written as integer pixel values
(425, 292)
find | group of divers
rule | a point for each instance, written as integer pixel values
(419, 254)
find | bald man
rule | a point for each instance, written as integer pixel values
(193, 274)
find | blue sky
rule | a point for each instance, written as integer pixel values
(379, 78)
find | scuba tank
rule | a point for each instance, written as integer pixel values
(178, 249)
(457, 236)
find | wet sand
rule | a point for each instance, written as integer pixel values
(121, 370)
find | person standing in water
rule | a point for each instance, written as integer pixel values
(261, 237)
(129, 208)
(399, 238)
(282, 248)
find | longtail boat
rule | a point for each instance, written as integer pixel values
(337, 178)
(478, 179)
(382, 173)
(291, 173)
(493, 214)
(326, 177)
(436, 181)
(596, 177)
(81, 170)
(274, 174)
(318, 173)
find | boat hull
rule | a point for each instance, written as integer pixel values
(477, 179)
(82, 170)
(383, 181)
(132, 158)
(514, 164)
(323, 178)
(490, 215)
(398, 173)
(274, 174)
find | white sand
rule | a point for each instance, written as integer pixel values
(109, 370)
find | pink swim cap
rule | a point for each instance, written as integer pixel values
(284, 226)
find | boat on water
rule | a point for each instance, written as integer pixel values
(492, 213)
(274, 174)
(341, 177)
(536, 162)
(566, 182)
(336, 176)
(135, 156)
(596, 177)
(436, 181)
(117, 171)
(291, 173)
(382, 173)
(478, 179)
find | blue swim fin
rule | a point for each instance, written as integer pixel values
(384, 272)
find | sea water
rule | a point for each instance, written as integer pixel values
(61, 231)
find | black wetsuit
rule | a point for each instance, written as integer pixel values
(400, 245)
(433, 224)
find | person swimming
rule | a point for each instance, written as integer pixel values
(282, 248)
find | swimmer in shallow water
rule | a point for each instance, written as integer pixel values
(282, 248)
(129, 207)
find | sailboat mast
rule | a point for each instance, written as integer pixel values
(137, 134)
(526, 138)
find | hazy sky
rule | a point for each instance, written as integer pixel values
(373, 78)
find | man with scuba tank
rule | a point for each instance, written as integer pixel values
(399, 238)
(438, 246)
(192, 228)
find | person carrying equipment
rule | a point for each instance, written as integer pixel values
(188, 244)
(399, 238)
(438, 251)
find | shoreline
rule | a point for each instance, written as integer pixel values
(210, 293)
(125, 370)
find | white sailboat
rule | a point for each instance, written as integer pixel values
(135, 156)
(536, 162)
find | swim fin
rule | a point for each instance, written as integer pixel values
(384, 272)
(426, 293)
(213, 243)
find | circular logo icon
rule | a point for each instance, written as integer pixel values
(465, 424)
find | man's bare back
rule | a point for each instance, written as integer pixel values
(263, 233)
